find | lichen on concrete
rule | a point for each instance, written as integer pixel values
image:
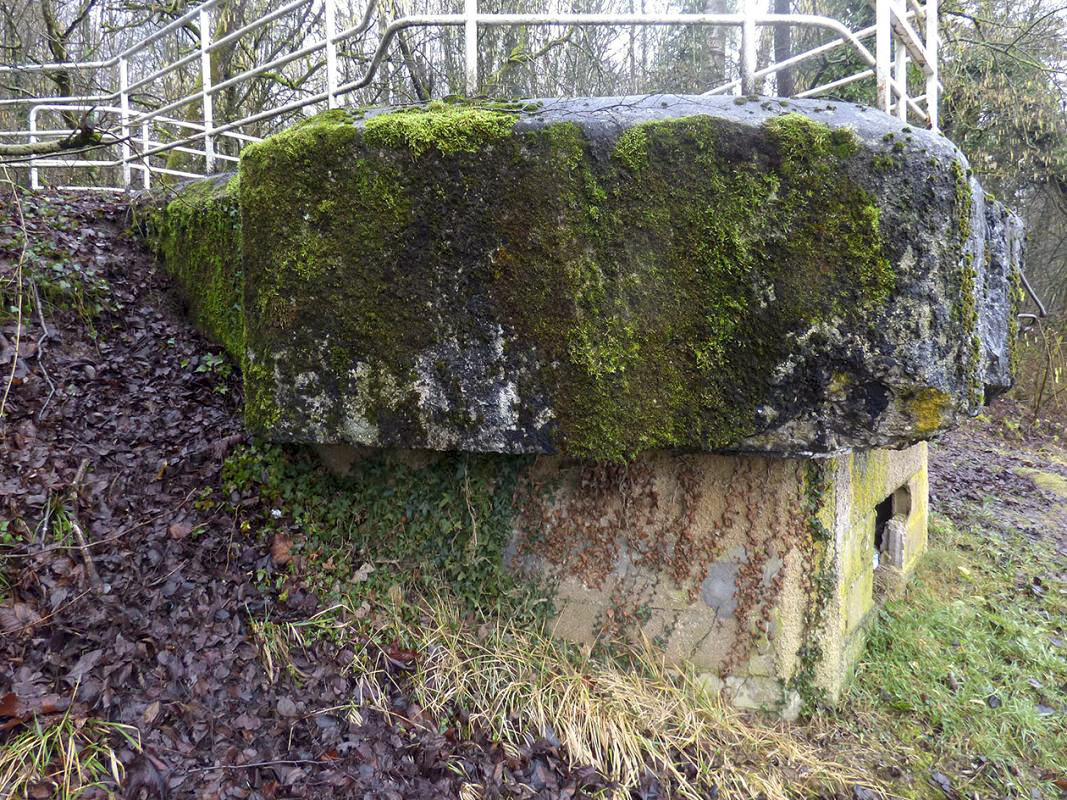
(600, 278)
(606, 293)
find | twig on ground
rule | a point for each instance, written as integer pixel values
(45, 334)
(83, 545)
(45, 522)
(295, 762)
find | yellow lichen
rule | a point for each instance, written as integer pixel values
(928, 407)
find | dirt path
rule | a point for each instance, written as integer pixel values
(1014, 483)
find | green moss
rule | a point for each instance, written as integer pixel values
(964, 200)
(1018, 296)
(198, 236)
(261, 405)
(657, 301)
(966, 308)
(445, 128)
(807, 143)
(883, 163)
(327, 119)
(928, 407)
(632, 147)
(321, 203)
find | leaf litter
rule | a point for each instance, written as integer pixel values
(165, 643)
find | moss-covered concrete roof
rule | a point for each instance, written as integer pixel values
(604, 276)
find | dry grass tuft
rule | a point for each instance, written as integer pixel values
(622, 716)
(65, 756)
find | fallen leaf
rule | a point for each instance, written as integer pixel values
(15, 617)
(287, 708)
(400, 657)
(19, 710)
(280, 547)
(9, 704)
(179, 530)
(151, 712)
(84, 665)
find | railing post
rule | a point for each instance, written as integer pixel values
(205, 89)
(330, 20)
(34, 178)
(882, 44)
(124, 111)
(900, 76)
(933, 96)
(145, 163)
(470, 47)
(748, 48)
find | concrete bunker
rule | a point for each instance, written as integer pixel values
(715, 335)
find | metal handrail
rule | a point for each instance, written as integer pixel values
(897, 42)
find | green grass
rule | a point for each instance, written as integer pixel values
(63, 756)
(956, 668)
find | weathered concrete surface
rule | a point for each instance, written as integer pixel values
(759, 570)
(601, 277)
(197, 232)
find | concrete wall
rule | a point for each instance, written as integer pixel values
(738, 564)
(859, 483)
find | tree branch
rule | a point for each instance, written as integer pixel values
(85, 135)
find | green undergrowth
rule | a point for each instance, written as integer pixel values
(50, 274)
(439, 527)
(963, 675)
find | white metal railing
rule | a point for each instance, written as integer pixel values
(141, 134)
